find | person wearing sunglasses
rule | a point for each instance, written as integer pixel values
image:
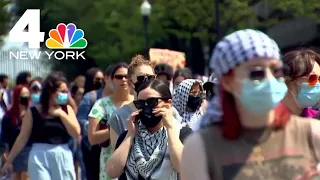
(151, 147)
(302, 81)
(188, 99)
(99, 116)
(140, 72)
(91, 154)
(246, 132)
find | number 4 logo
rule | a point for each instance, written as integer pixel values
(34, 37)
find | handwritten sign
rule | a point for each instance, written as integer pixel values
(175, 59)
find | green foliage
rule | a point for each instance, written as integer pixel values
(298, 8)
(114, 28)
(4, 18)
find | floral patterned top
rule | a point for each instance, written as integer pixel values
(103, 108)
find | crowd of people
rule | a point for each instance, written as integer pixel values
(251, 119)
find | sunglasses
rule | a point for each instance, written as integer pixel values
(120, 76)
(151, 102)
(259, 73)
(313, 79)
(35, 88)
(143, 78)
(98, 79)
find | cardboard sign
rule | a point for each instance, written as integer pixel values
(175, 59)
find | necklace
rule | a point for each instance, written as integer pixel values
(257, 154)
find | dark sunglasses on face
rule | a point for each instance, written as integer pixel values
(151, 102)
(98, 79)
(120, 76)
(259, 73)
(35, 88)
(143, 78)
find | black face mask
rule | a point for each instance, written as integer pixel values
(194, 102)
(148, 118)
(24, 100)
(97, 85)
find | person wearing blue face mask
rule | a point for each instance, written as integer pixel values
(246, 132)
(49, 124)
(302, 81)
(35, 91)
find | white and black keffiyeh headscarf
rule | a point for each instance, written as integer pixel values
(180, 101)
(149, 156)
(232, 50)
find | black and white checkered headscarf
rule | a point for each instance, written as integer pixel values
(232, 50)
(180, 101)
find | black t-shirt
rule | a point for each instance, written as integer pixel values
(184, 133)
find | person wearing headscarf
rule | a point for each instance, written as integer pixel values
(187, 99)
(246, 132)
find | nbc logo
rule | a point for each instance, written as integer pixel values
(64, 37)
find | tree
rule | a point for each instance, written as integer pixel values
(114, 31)
(4, 18)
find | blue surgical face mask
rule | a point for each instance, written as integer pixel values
(261, 97)
(35, 98)
(308, 95)
(62, 98)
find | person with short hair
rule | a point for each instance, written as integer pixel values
(302, 79)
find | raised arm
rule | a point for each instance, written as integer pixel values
(70, 122)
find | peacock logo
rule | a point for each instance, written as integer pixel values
(66, 37)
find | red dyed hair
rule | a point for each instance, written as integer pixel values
(231, 126)
(14, 112)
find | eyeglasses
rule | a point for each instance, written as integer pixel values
(259, 73)
(120, 76)
(145, 77)
(151, 102)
